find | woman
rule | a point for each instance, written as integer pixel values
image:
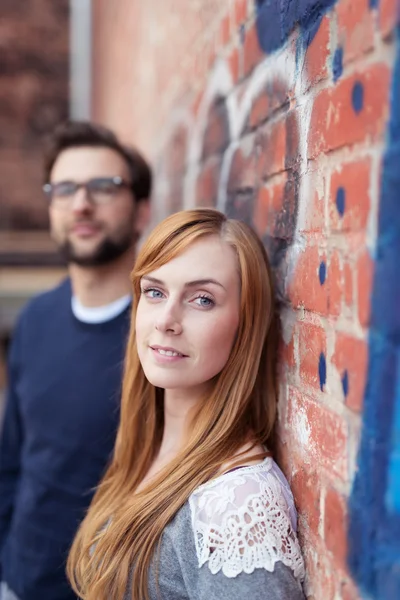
(192, 505)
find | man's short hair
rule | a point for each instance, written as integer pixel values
(75, 134)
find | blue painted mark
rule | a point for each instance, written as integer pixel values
(373, 3)
(374, 507)
(357, 97)
(341, 200)
(337, 63)
(322, 273)
(393, 491)
(242, 34)
(276, 19)
(322, 371)
(345, 383)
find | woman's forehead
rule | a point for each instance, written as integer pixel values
(207, 258)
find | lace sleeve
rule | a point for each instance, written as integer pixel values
(244, 521)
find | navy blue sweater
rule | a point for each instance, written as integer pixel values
(58, 433)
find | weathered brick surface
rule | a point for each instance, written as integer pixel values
(292, 142)
(34, 75)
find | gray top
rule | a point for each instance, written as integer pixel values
(234, 539)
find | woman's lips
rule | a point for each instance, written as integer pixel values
(166, 354)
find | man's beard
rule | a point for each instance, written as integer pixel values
(106, 252)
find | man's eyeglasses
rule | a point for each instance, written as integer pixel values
(99, 190)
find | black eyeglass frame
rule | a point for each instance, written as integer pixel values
(117, 181)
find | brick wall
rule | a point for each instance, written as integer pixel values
(33, 98)
(278, 112)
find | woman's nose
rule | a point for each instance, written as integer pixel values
(169, 320)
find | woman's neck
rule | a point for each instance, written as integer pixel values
(177, 406)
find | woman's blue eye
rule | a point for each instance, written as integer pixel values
(204, 301)
(152, 293)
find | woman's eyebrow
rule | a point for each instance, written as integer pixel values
(188, 284)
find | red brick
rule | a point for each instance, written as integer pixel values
(198, 70)
(269, 100)
(351, 181)
(16, 207)
(259, 110)
(240, 12)
(355, 242)
(335, 123)
(271, 149)
(293, 125)
(306, 488)
(319, 571)
(286, 354)
(365, 269)
(389, 15)
(233, 61)
(312, 342)
(225, 31)
(315, 216)
(196, 103)
(252, 52)
(317, 54)
(335, 284)
(243, 173)
(348, 284)
(33, 99)
(320, 434)
(305, 288)
(216, 137)
(351, 358)
(355, 22)
(207, 183)
(268, 206)
(335, 525)
(211, 57)
(349, 591)
(177, 152)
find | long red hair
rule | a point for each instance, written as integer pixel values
(122, 527)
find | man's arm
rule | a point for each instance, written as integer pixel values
(10, 442)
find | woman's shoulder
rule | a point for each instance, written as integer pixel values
(239, 517)
(237, 487)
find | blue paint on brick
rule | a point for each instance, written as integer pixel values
(345, 383)
(322, 273)
(374, 507)
(393, 490)
(357, 97)
(373, 3)
(341, 200)
(276, 19)
(322, 371)
(337, 63)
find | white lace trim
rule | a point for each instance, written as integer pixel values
(242, 521)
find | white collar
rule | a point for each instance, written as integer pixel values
(99, 314)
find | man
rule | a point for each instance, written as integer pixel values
(66, 359)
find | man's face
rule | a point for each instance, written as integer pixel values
(91, 234)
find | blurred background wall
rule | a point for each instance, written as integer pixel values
(34, 97)
(283, 113)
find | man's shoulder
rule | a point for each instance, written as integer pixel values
(48, 300)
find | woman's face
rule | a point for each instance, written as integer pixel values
(188, 315)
